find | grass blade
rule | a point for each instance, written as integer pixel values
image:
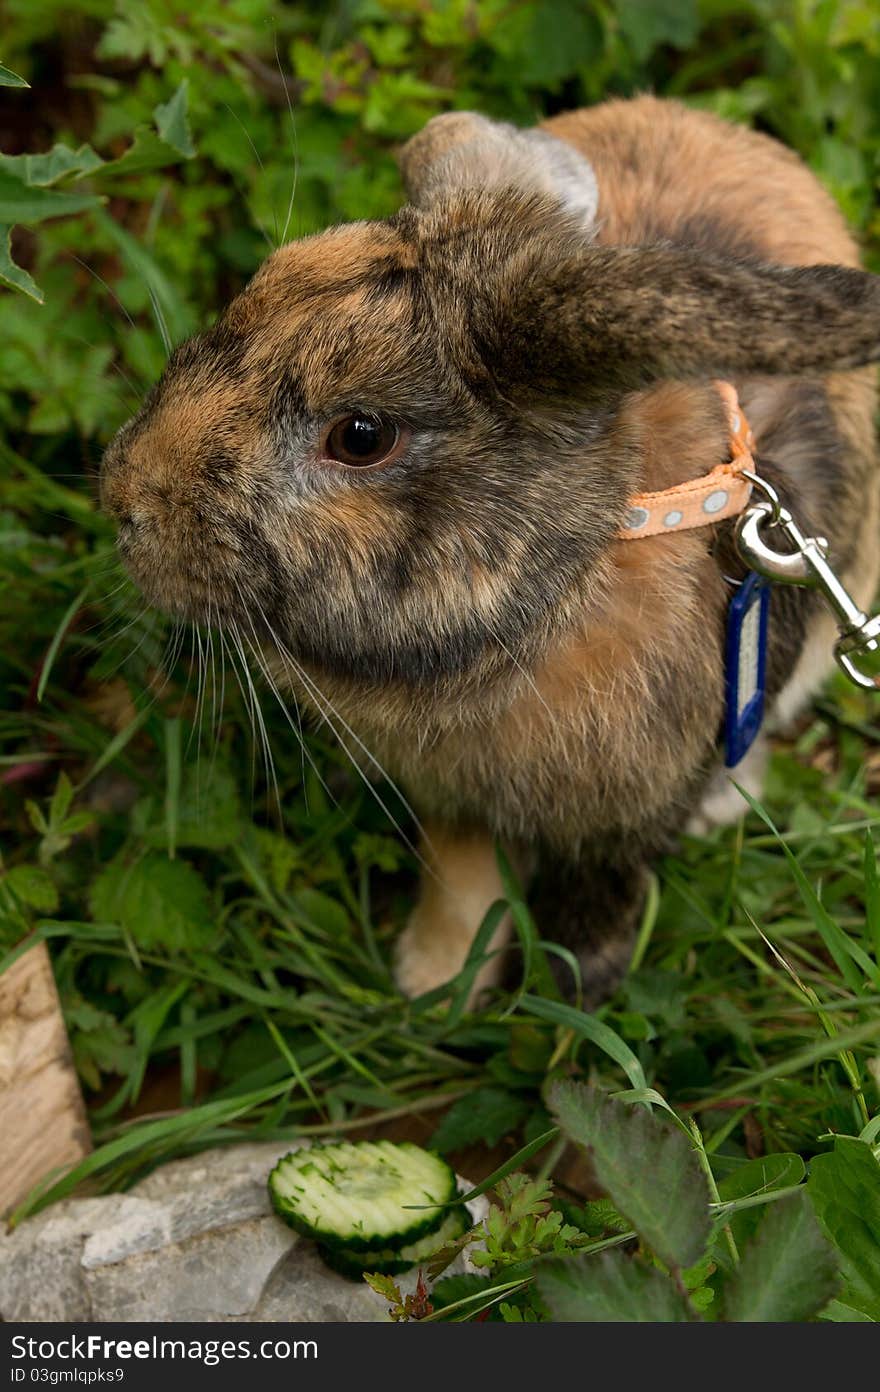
(64, 623)
(872, 896)
(588, 1027)
(851, 960)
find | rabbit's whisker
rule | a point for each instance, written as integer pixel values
(149, 627)
(226, 639)
(325, 705)
(268, 759)
(527, 676)
(305, 752)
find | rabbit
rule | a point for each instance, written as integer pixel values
(399, 461)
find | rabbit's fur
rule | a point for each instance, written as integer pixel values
(543, 320)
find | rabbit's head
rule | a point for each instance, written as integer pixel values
(402, 450)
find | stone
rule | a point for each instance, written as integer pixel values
(219, 1274)
(195, 1240)
(303, 1288)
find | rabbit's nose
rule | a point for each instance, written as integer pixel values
(132, 494)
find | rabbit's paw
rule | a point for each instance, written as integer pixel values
(723, 803)
(433, 948)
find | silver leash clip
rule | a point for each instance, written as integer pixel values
(807, 565)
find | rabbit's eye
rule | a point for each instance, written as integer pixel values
(361, 440)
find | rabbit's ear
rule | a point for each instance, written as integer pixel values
(465, 151)
(588, 323)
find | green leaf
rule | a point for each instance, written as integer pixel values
(172, 123)
(844, 1186)
(787, 1272)
(588, 1027)
(386, 1286)
(19, 203)
(277, 855)
(208, 812)
(650, 1171)
(654, 1099)
(841, 1313)
(597, 1218)
(11, 273)
(62, 797)
(454, 1288)
(160, 902)
(147, 151)
(321, 911)
(563, 35)
(870, 1133)
(647, 26)
(33, 887)
(484, 1115)
(697, 1276)
(609, 1288)
(761, 1176)
(383, 852)
(100, 1043)
(39, 171)
(11, 79)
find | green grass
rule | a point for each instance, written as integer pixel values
(255, 966)
(242, 959)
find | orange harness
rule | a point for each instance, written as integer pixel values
(725, 492)
(721, 493)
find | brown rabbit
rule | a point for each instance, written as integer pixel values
(400, 460)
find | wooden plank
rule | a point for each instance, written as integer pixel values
(42, 1118)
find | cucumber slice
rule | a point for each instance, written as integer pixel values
(388, 1263)
(356, 1194)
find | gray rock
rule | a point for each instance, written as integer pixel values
(219, 1274)
(303, 1288)
(195, 1240)
(40, 1262)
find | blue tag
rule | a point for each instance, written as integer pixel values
(746, 663)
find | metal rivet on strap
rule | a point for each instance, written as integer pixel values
(636, 518)
(716, 501)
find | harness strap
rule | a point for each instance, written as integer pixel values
(721, 493)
